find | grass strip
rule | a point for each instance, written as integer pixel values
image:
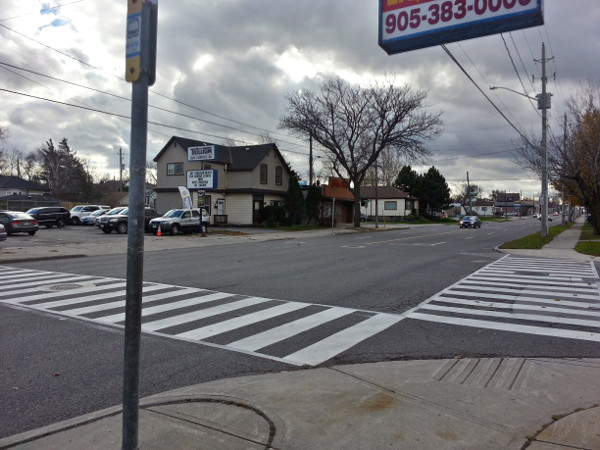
(535, 241)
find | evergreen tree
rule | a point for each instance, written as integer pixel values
(294, 200)
(435, 193)
(313, 201)
(408, 180)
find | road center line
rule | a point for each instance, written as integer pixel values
(409, 237)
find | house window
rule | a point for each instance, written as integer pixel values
(278, 175)
(175, 169)
(390, 206)
(264, 174)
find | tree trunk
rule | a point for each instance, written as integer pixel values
(356, 205)
(595, 213)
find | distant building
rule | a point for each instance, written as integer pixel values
(392, 203)
(11, 185)
(234, 184)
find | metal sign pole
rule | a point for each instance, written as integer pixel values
(140, 62)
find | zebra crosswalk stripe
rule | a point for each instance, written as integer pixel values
(172, 311)
(547, 297)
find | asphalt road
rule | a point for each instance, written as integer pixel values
(56, 367)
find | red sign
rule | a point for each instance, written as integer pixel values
(390, 5)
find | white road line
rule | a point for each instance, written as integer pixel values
(121, 303)
(343, 340)
(202, 314)
(503, 326)
(531, 317)
(238, 322)
(120, 317)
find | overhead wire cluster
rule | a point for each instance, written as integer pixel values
(246, 128)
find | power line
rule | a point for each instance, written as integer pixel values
(518, 75)
(483, 93)
(41, 11)
(87, 108)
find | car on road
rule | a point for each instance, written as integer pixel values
(3, 233)
(182, 220)
(119, 222)
(470, 222)
(50, 216)
(18, 222)
(80, 211)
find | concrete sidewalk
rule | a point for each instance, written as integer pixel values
(499, 403)
(440, 404)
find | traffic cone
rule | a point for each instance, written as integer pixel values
(158, 233)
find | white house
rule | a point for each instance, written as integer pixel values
(392, 203)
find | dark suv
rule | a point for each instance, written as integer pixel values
(50, 216)
(119, 221)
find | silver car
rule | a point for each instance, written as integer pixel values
(3, 233)
(180, 220)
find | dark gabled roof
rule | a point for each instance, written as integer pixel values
(481, 202)
(504, 197)
(31, 197)
(368, 192)
(223, 153)
(247, 157)
(242, 158)
(12, 182)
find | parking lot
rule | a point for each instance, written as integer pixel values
(71, 234)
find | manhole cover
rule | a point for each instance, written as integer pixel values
(65, 286)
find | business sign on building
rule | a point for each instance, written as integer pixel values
(202, 179)
(203, 153)
(406, 25)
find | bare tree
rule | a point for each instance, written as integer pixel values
(574, 162)
(3, 155)
(151, 173)
(580, 157)
(354, 125)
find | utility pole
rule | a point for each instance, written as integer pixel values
(562, 185)
(120, 169)
(470, 197)
(543, 104)
(310, 162)
(376, 198)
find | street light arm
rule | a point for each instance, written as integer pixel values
(511, 90)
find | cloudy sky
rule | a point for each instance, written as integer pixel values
(224, 68)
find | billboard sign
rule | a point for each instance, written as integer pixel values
(204, 153)
(406, 25)
(202, 179)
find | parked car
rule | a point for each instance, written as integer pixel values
(50, 216)
(107, 215)
(91, 219)
(119, 221)
(470, 222)
(18, 222)
(181, 220)
(80, 211)
(549, 218)
(3, 233)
